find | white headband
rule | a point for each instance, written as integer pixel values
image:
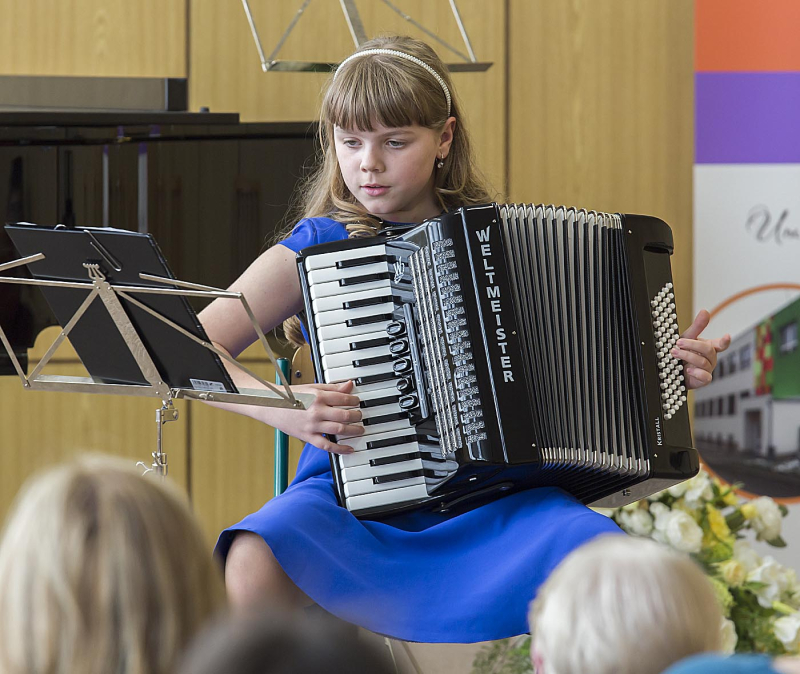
(408, 57)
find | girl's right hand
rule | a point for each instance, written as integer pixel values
(324, 416)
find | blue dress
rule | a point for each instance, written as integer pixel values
(428, 577)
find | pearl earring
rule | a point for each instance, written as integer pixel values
(440, 163)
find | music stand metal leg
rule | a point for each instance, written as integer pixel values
(164, 414)
(281, 439)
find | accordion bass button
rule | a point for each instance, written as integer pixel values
(399, 347)
(405, 385)
(395, 329)
(401, 365)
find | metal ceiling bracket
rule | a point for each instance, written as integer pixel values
(468, 63)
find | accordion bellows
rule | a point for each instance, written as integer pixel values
(499, 348)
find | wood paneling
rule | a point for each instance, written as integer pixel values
(601, 101)
(143, 38)
(42, 428)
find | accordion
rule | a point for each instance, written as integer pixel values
(503, 347)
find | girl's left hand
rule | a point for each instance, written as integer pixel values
(699, 356)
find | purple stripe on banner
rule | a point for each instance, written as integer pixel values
(747, 118)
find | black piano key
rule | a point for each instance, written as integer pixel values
(377, 360)
(379, 402)
(361, 261)
(370, 343)
(386, 479)
(420, 472)
(375, 378)
(387, 460)
(366, 278)
(410, 456)
(385, 418)
(428, 456)
(366, 302)
(391, 442)
(366, 320)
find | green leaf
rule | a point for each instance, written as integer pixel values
(755, 585)
(735, 520)
(777, 542)
(507, 656)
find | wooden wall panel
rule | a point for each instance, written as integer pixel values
(601, 101)
(145, 38)
(41, 428)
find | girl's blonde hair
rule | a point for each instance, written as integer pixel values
(393, 92)
(102, 571)
(623, 605)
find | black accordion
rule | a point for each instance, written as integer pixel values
(503, 347)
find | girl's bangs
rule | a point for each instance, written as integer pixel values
(366, 98)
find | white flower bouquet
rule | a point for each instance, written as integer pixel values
(760, 598)
(701, 517)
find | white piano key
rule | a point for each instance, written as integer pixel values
(400, 424)
(347, 357)
(346, 372)
(360, 389)
(344, 343)
(364, 456)
(330, 259)
(379, 499)
(337, 301)
(372, 412)
(384, 390)
(366, 472)
(336, 331)
(341, 316)
(359, 443)
(333, 275)
(334, 288)
(360, 487)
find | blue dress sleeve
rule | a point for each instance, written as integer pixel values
(311, 231)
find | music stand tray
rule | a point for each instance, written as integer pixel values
(130, 323)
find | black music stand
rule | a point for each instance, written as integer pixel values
(142, 338)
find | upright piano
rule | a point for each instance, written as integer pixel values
(212, 190)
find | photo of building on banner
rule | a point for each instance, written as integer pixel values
(747, 242)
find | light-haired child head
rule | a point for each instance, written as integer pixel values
(391, 91)
(101, 570)
(622, 605)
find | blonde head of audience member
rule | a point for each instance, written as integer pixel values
(102, 571)
(270, 642)
(622, 605)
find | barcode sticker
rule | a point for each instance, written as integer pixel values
(205, 385)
